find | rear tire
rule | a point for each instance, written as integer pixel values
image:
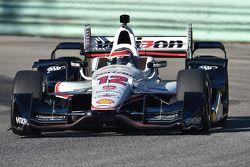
(191, 80)
(25, 82)
(225, 98)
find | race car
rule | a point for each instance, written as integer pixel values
(116, 83)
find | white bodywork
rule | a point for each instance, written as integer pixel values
(112, 85)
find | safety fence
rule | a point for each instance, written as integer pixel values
(224, 20)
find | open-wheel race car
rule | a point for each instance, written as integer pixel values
(117, 83)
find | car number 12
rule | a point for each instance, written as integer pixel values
(113, 79)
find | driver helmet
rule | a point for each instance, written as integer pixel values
(123, 56)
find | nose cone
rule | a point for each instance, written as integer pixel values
(110, 91)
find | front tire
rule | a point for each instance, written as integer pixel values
(25, 82)
(195, 81)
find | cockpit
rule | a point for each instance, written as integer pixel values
(122, 56)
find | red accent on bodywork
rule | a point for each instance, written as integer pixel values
(57, 91)
(162, 54)
(118, 79)
(57, 87)
(117, 53)
(97, 55)
(143, 53)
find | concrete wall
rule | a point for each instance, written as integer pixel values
(224, 20)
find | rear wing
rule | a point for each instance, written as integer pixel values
(155, 46)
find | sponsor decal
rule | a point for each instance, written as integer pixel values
(206, 67)
(87, 38)
(109, 91)
(74, 64)
(107, 95)
(109, 87)
(21, 120)
(164, 117)
(104, 44)
(41, 117)
(105, 101)
(141, 43)
(55, 68)
(81, 90)
(192, 121)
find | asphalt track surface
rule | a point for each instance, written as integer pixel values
(222, 146)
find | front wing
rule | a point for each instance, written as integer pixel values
(145, 111)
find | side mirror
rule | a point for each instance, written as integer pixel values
(79, 64)
(158, 64)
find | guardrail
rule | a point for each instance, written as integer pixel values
(224, 20)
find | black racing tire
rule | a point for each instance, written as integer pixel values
(28, 82)
(25, 82)
(193, 80)
(225, 98)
